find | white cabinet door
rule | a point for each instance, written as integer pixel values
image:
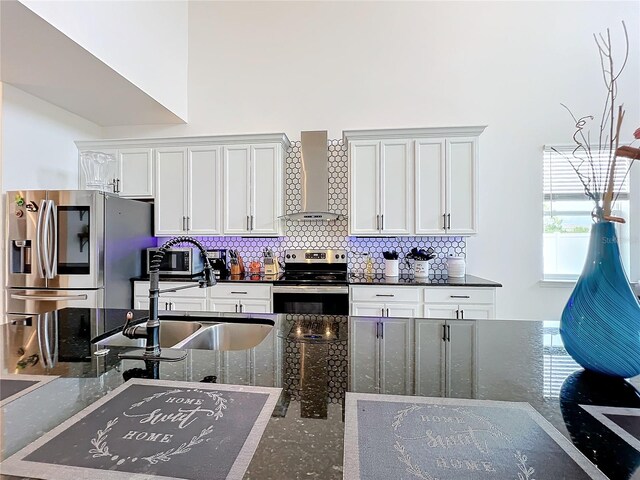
(204, 191)
(237, 178)
(396, 190)
(141, 303)
(396, 357)
(135, 173)
(266, 185)
(171, 191)
(364, 200)
(254, 306)
(430, 374)
(223, 305)
(430, 205)
(184, 303)
(445, 311)
(403, 310)
(476, 312)
(368, 309)
(461, 354)
(364, 358)
(461, 186)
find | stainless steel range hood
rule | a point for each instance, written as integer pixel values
(314, 187)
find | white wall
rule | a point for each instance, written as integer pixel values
(144, 41)
(37, 148)
(291, 66)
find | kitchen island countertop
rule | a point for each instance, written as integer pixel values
(312, 359)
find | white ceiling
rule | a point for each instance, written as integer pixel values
(39, 59)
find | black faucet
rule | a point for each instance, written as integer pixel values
(151, 331)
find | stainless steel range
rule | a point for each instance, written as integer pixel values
(315, 281)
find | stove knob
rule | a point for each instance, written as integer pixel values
(288, 256)
(293, 256)
(337, 256)
(343, 256)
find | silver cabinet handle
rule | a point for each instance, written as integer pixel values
(184, 219)
(251, 223)
(236, 308)
(385, 295)
(382, 327)
(444, 333)
(248, 223)
(238, 293)
(382, 314)
(448, 221)
(118, 184)
(377, 222)
(241, 307)
(444, 221)
(39, 240)
(457, 313)
(188, 223)
(462, 314)
(49, 298)
(382, 222)
(448, 333)
(459, 296)
(387, 312)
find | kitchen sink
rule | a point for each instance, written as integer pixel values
(171, 333)
(228, 336)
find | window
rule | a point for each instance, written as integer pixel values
(567, 212)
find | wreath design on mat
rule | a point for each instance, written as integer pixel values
(524, 472)
(100, 447)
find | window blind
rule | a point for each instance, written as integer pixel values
(562, 183)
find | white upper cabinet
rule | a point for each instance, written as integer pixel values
(171, 191)
(133, 172)
(253, 200)
(135, 177)
(461, 185)
(187, 191)
(204, 187)
(381, 190)
(421, 181)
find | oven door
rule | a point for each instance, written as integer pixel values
(313, 299)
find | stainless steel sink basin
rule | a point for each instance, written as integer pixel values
(228, 336)
(171, 333)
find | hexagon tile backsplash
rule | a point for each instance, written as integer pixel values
(334, 234)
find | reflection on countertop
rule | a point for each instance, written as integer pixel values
(316, 359)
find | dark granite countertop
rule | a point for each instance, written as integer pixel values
(430, 281)
(309, 357)
(248, 278)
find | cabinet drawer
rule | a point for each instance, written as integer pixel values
(459, 295)
(385, 294)
(240, 291)
(142, 289)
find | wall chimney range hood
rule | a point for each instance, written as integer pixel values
(314, 178)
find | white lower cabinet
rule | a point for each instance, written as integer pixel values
(381, 353)
(240, 298)
(428, 302)
(445, 358)
(223, 297)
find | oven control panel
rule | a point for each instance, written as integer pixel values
(315, 256)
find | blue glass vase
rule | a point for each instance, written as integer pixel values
(600, 324)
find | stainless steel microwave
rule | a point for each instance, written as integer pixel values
(177, 261)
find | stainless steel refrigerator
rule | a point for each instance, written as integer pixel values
(72, 248)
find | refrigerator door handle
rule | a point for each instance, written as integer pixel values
(46, 241)
(53, 219)
(49, 298)
(39, 240)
